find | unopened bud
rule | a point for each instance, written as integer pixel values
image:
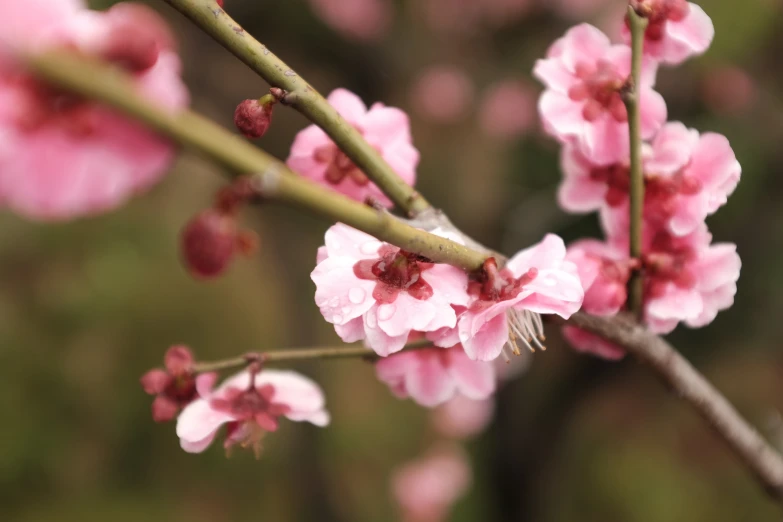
(209, 243)
(253, 117)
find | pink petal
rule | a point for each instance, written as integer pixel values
(715, 165)
(548, 253)
(605, 140)
(652, 108)
(676, 304)
(339, 294)
(583, 44)
(306, 142)
(351, 331)
(690, 36)
(553, 73)
(301, 394)
(474, 379)
(717, 265)
(487, 344)
(561, 115)
(199, 445)
(342, 240)
(199, 421)
(406, 314)
(375, 338)
(385, 126)
(671, 149)
(350, 106)
(430, 384)
(449, 282)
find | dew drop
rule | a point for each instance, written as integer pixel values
(337, 319)
(386, 311)
(346, 310)
(370, 247)
(356, 295)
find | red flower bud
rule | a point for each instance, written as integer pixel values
(253, 117)
(209, 242)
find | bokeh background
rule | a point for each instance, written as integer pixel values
(86, 307)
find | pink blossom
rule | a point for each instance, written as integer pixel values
(677, 30)
(375, 291)
(584, 75)
(462, 418)
(729, 90)
(507, 109)
(504, 308)
(63, 156)
(364, 20)
(575, 9)
(442, 93)
(604, 270)
(315, 156)
(688, 176)
(250, 404)
(688, 279)
(436, 375)
(426, 489)
(586, 342)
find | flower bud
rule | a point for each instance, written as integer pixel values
(209, 243)
(253, 117)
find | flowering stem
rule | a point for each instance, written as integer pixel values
(631, 98)
(304, 98)
(299, 354)
(274, 181)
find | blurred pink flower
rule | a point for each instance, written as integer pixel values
(442, 93)
(63, 156)
(375, 291)
(584, 74)
(427, 488)
(729, 90)
(366, 20)
(504, 12)
(604, 270)
(508, 109)
(575, 9)
(433, 376)
(463, 418)
(677, 30)
(538, 280)
(250, 404)
(315, 156)
(586, 342)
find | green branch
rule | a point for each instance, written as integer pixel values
(631, 99)
(303, 97)
(113, 87)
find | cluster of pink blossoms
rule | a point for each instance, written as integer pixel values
(62, 156)
(687, 175)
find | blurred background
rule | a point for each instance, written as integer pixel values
(86, 307)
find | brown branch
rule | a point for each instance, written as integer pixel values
(691, 386)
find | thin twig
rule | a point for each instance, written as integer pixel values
(631, 98)
(303, 97)
(302, 354)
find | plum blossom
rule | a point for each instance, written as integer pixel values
(426, 488)
(507, 109)
(363, 20)
(688, 176)
(677, 30)
(250, 404)
(436, 375)
(462, 418)
(374, 291)
(315, 156)
(175, 386)
(603, 269)
(442, 93)
(582, 104)
(63, 156)
(505, 305)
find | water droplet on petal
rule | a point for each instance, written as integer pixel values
(463, 336)
(335, 245)
(356, 295)
(370, 247)
(550, 282)
(386, 311)
(337, 319)
(334, 302)
(346, 310)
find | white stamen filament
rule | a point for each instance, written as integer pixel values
(525, 329)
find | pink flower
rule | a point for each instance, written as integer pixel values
(250, 404)
(687, 177)
(507, 109)
(314, 154)
(63, 156)
(442, 93)
(677, 30)
(604, 270)
(375, 291)
(433, 376)
(729, 90)
(538, 280)
(462, 418)
(688, 279)
(426, 488)
(584, 75)
(586, 342)
(364, 20)
(175, 387)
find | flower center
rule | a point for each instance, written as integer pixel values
(667, 262)
(599, 88)
(658, 12)
(498, 285)
(618, 180)
(395, 271)
(339, 166)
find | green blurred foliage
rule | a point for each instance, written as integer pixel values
(86, 307)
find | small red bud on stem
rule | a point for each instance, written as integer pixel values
(253, 117)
